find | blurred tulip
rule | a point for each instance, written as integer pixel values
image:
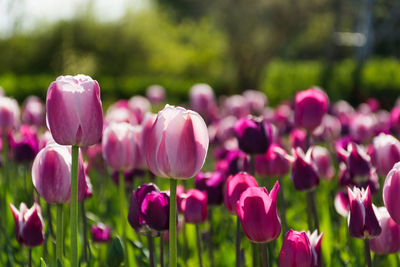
(28, 225)
(89, 188)
(235, 161)
(321, 158)
(212, 183)
(298, 138)
(395, 120)
(180, 195)
(139, 106)
(389, 239)
(225, 128)
(100, 233)
(120, 112)
(194, 206)
(235, 186)
(283, 118)
(362, 220)
(256, 100)
(51, 174)
(33, 111)
(177, 144)
(45, 139)
(329, 129)
(342, 203)
(358, 162)
(315, 243)
(386, 152)
(257, 211)
(275, 162)
(304, 173)
(362, 127)
(147, 125)
(310, 108)
(155, 211)
(296, 250)
(9, 113)
(74, 111)
(119, 146)
(95, 157)
(155, 93)
(202, 100)
(24, 144)
(391, 192)
(254, 135)
(236, 105)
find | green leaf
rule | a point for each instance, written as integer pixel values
(115, 255)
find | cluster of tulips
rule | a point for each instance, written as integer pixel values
(68, 140)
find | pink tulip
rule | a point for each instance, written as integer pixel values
(389, 240)
(236, 105)
(202, 100)
(139, 106)
(391, 193)
(296, 250)
(321, 158)
(119, 146)
(342, 203)
(234, 187)
(24, 144)
(298, 138)
(51, 174)
(256, 100)
(177, 144)
(33, 111)
(100, 233)
(155, 93)
(120, 112)
(28, 225)
(257, 211)
(212, 183)
(194, 206)
(274, 163)
(310, 108)
(362, 127)
(74, 110)
(304, 172)
(386, 152)
(9, 113)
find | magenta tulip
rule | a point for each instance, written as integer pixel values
(257, 211)
(391, 193)
(315, 243)
(298, 138)
(389, 239)
(177, 144)
(139, 106)
(386, 152)
(100, 233)
(321, 158)
(74, 110)
(28, 225)
(24, 144)
(155, 211)
(194, 206)
(235, 186)
(9, 113)
(296, 250)
(274, 163)
(310, 108)
(51, 174)
(33, 111)
(304, 173)
(212, 183)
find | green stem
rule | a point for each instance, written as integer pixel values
(162, 250)
(210, 238)
(74, 206)
(150, 245)
(282, 206)
(59, 236)
(84, 225)
(313, 210)
(237, 242)
(123, 217)
(172, 224)
(367, 252)
(30, 257)
(198, 239)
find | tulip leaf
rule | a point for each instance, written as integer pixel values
(115, 255)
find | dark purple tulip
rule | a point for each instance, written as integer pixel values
(213, 184)
(304, 174)
(100, 233)
(234, 162)
(362, 220)
(254, 135)
(235, 186)
(274, 163)
(28, 225)
(155, 211)
(310, 108)
(357, 160)
(24, 144)
(298, 138)
(135, 215)
(194, 206)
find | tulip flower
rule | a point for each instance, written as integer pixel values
(329, 129)
(386, 152)
(95, 158)
(236, 105)
(194, 206)
(212, 183)
(155, 93)
(296, 250)
(304, 173)
(100, 233)
(388, 241)
(257, 211)
(362, 127)
(28, 225)
(9, 113)
(391, 193)
(254, 135)
(395, 119)
(362, 220)
(310, 108)
(155, 211)
(315, 243)
(33, 111)
(274, 163)
(139, 106)
(24, 144)
(298, 138)
(202, 100)
(256, 100)
(358, 162)
(234, 162)
(342, 203)
(120, 112)
(235, 186)
(147, 125)
(321, 158)
(180, 195)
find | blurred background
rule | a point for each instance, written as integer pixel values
(350, 48)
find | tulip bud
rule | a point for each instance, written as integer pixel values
(28, 225)
(9, 113)
(321, 158)
(391, 193)
(253, 135)
(213, 184)
(155, 210)
(386, 152)
(51, 174)
(24, 144)
(155, 93)
(33, 111)
(258, 214)
(177, 144)
(310, 108)
(194, 206)
(275, 162)
(389, 239)
(304, 174)
(100, 233)
(139, 106)
(362, 220)
(235, 186)
(296, 250)
(119, 146)
(74, 111)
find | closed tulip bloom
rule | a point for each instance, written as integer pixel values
(177, 144)
(304, 173)
(139, 106)
(310, 108)
(322, 160)
(296, 250)
(254, 135)
(213, 184)
(28, 225)
(120, 112)
(391, 192)
(357, 160)
(235, 186)
(155, 93)
(119, 146)
(135, 216)
(74, 111)
(275, 162)
(258, 214)
(9, 113)
(362, 220)
(24, 144)
(298, 138)
(194, 206)
(386, 152)
(33, 111)
(100, 233)
(51, 174)
(202, 98)
(155, 210)
(389, 239)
